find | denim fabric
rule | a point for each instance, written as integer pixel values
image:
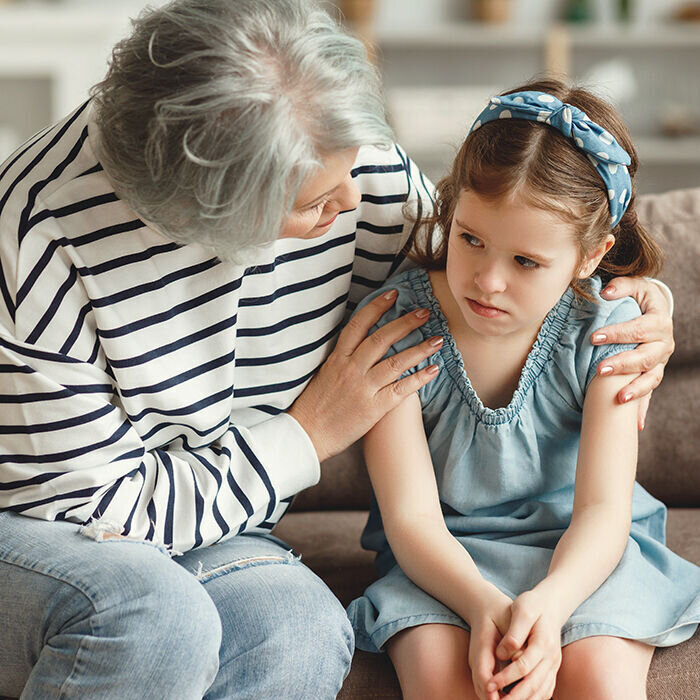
(121, 619)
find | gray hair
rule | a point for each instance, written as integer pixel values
(213, 113)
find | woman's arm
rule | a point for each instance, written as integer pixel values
(401, 471)
(593, 543)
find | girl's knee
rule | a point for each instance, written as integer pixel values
(603, 668)
(432, 661)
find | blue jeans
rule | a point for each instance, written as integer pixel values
(119, 619)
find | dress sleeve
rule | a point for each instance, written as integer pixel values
(608, 313)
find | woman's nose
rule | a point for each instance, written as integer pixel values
(347, 196)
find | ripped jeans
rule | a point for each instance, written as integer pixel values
(119, 619)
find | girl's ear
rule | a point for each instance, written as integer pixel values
(591, 261)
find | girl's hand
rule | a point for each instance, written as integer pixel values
(354, 388)
(532, 643)
(653, 330)
(487, 628)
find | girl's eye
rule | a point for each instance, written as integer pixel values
(526, 262)
(472, 240)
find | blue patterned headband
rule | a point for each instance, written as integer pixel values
(601, 148)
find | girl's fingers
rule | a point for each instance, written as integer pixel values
(537, 686)
(517, 633)
(517, 669)
(390, 369)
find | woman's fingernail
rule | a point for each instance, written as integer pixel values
(390, 295)
(627, 397)
(422, 313)
(491, 687)
(605, 370)
(435, 341)
(600, 338)
(432, 369)
(608, 290)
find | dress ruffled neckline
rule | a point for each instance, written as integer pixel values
(537, 359)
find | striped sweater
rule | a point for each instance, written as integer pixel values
(145, 383)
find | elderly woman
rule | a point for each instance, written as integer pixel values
(177, 258)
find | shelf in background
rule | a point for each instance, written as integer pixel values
(468, 35)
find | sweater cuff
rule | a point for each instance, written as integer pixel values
(288, 454)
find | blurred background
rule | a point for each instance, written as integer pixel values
(440, 61)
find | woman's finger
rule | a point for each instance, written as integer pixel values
(649, 328)
(390, 369)
(642, 411)
(642, 359)
(373, 348)
(392, 395)
(647, 294)
(643, 385)
(358, 326)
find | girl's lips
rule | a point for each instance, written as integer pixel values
(485, 311)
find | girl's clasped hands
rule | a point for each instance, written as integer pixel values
(523, 638)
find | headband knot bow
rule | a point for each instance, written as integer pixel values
(599, 145)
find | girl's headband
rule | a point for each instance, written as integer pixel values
(601, 148)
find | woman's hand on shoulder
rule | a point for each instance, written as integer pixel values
(532, 647)
(653, 330)
(355, 387)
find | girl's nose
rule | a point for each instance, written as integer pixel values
(490, 280)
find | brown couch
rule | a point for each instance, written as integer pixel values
(327, 520)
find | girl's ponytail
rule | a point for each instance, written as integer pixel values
(635, 252)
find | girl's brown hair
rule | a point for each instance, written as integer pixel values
(538, 162)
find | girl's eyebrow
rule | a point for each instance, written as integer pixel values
(533, 256)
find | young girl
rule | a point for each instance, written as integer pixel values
(518, 557)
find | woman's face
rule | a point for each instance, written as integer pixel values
(323, 196)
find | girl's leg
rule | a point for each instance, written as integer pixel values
(603, 668)
(431, 661)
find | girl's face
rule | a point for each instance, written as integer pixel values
(322, 197)
(508, 263)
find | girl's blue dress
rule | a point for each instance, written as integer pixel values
(506, 484)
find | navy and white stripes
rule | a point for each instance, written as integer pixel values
(145, 382)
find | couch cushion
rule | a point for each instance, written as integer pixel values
(668, 464)
(673, 218)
